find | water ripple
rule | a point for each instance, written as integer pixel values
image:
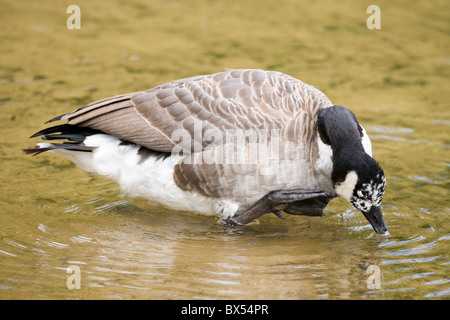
(413, 260)
(414, 276)
(402, 242)
(412, 251)
(441, 293)
(423, 179)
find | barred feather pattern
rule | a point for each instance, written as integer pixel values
(235, 99)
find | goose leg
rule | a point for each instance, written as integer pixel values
(277, 201)
(309, 207)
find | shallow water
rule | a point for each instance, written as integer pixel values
(54, 216)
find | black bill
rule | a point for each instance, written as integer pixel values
(375, 217)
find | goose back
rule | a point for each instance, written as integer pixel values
(203, 111)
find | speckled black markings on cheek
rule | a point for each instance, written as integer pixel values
(370, 194)
(360, 204)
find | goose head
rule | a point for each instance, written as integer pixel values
(356, 176)
(363, 185)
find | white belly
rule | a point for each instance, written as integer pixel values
(152, 179)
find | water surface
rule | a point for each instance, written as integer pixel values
(54, 216)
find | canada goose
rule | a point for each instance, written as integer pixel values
(237, 144)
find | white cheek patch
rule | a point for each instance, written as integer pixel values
(345, 188)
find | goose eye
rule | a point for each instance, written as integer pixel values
(363, 194)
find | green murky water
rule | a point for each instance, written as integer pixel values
(53, 215)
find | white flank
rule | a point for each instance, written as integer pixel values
(324, 163)
(151, 179)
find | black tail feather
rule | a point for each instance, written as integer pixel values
(67, 146)
(74, 137)
(79, 137)
(65, 129)
(74, 134)
(57, 118)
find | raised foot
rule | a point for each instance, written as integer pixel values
(298, 201)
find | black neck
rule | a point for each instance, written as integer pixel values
(339, 128)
